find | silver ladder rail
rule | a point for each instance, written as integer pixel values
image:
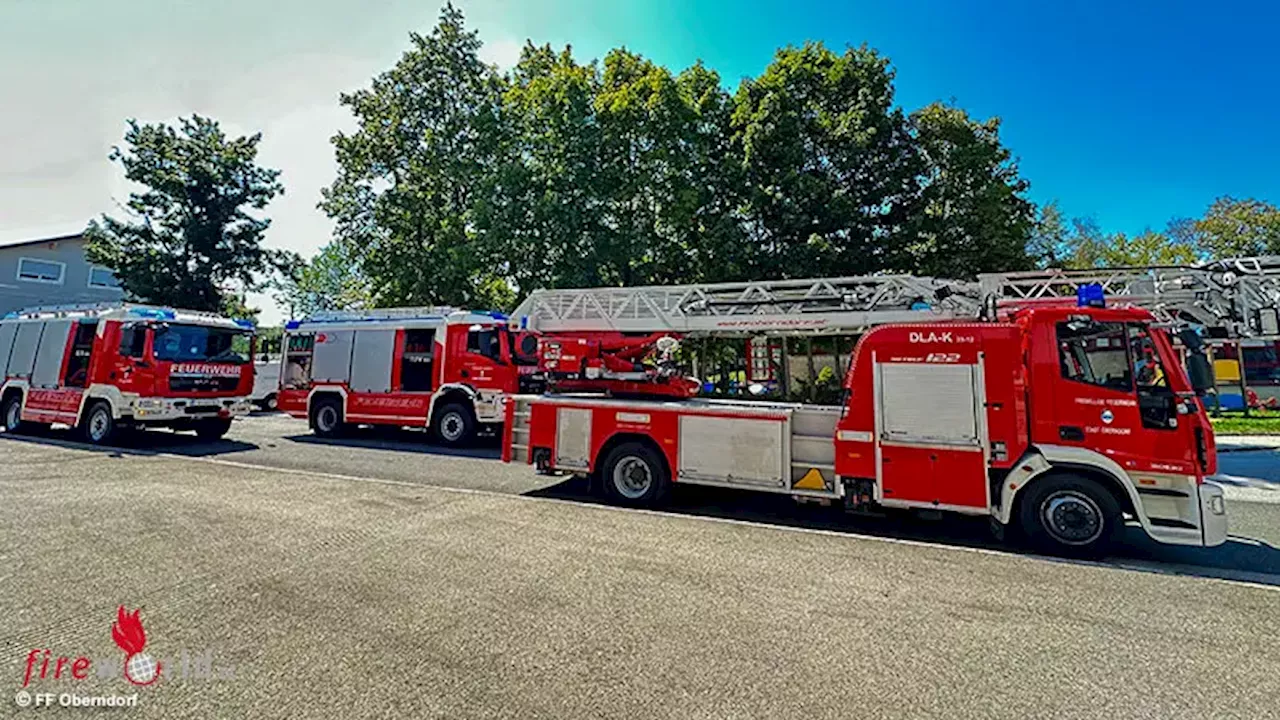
(1238, 295)
(808, 306)
(396, 313)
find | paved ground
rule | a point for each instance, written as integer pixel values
(382, 578)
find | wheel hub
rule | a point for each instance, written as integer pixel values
(632, 477)
(1072, 518)
(98, 425)
(452, 426)
(327, 419)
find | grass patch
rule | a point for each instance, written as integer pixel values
(1259, 422)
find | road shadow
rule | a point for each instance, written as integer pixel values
(137, 441)
(1240, 558)
(486, 447)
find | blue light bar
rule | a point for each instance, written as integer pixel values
(1090, 295)
(245, 323)
(153, 313)
(292, 324)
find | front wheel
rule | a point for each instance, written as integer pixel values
(454, 425)
(635, 474)
(213, 429)
(1070, 515)
(98, 426)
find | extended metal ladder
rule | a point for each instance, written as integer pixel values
(792, 307)
(1240, 296)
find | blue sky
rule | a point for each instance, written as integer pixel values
(1131, 113)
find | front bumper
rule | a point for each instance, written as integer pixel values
(161, 410)
(1213, 513)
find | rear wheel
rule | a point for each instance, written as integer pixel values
(270, 403)
(1070, 515)
(98, 425)
(455, 425)
(326, 418)
(635, 474)
(212, 429)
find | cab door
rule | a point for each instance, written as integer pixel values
(1113, 396)
(480, 362)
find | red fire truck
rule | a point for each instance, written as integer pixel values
(441, 368)
(103, 367)
(1059, 420)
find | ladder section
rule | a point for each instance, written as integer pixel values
(398, 313)
(825, 305)
(1240, 296)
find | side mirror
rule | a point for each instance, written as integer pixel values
(1200, 371)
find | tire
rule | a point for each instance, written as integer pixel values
(98, 426)
(271, 403)
(11, 413)
(454, 425)
(635, 474)
(212, 429)
(326, 418)
(1070, 515)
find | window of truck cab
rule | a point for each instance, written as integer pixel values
(175, 342)
(1095, 353)
(484, 341)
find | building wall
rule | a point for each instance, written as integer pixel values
(16, 293)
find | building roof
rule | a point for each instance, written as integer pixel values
(39, 241)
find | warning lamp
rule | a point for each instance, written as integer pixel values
(1090, 295)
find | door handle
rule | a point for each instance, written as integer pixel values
(1070, 432)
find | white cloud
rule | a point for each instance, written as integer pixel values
(503, 52)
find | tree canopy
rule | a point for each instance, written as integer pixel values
(468, 186)
(192, 239)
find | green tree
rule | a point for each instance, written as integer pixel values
(332, 280)
(541, 208)
(1237, 228)
(1050, 245)
(972, 215)
(1093, 248)
(830, 163)
(192, 240)
(620, 176)
(410, 177)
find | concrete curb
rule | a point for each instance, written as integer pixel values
(1247, 443)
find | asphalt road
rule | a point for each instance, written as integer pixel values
(381, 577)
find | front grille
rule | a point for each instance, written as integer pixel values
(203, 384)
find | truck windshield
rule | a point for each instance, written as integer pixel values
(200, 343)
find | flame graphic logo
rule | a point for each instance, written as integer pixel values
(129, 636)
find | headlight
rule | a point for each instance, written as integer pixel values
(149, 404)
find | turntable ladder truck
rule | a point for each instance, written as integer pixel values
(1060, 418)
